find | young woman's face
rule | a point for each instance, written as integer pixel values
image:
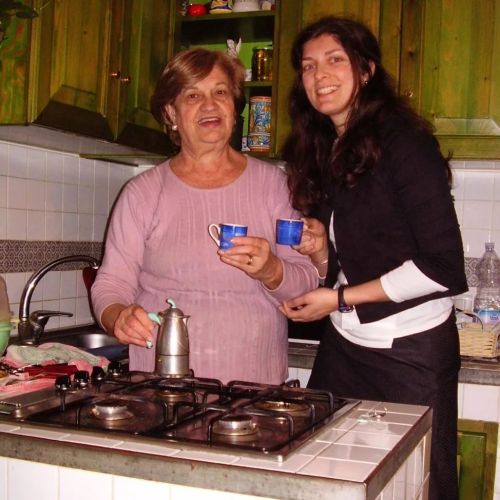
(328, 79)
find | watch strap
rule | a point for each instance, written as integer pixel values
(343, 307)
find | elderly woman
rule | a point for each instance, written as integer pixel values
(158, 245)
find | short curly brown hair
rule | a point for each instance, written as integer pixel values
(188, 67)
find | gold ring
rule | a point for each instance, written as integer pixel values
(250, 260)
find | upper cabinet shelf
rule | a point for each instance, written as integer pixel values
(216, 28)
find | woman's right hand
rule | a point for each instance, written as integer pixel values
(314, 241)
(129, 324)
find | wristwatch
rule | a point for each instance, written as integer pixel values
(343, 307)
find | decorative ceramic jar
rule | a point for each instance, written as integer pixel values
(260, 114)
(259, 141)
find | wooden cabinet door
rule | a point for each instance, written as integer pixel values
(147, 45)
(476, 459)
(451, 68)
(70, 84)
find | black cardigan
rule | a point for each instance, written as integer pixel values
(401, 210)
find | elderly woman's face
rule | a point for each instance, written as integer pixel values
(204, 111)
(328, 78)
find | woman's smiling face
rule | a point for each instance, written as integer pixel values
(328, 79)
(204, 111)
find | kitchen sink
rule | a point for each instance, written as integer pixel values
(91, 339)
(86, 341)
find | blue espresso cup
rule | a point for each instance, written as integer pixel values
(289, 231)
(224, 233)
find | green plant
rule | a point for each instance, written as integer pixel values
(13, 8)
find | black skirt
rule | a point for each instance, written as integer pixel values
(418, 369)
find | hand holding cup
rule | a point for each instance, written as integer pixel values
(289, 231)
(222, 234)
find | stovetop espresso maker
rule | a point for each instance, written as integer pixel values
(172, 343)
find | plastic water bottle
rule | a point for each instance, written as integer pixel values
(487, 299)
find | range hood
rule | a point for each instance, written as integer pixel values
(84, 146)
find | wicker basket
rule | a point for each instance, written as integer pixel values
(478, 343)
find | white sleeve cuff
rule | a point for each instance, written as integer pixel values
(408, 282)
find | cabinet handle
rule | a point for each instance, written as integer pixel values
(116, 75)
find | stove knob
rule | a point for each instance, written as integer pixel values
(98, 375)
(81, 379)
(63, 383)
(115, 368)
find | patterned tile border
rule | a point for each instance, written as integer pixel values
(18, 256)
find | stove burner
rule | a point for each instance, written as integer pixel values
(111, 409)
(235, 425)
(171, 396)
(295, 409)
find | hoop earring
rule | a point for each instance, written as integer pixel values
(174, 127)
(365, 83)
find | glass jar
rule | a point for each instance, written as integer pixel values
(262, 64)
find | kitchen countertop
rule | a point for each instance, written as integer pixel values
(472, 371)
(351, 458)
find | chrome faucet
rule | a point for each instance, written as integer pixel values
(31, 326)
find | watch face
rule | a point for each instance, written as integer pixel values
(345, 309)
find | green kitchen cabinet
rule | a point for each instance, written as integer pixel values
(89, 67)
(444, 56)
(275, 28)
(476, 459)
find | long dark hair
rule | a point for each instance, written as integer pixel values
(313, 163)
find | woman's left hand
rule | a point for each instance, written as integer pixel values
(254, 257)
(311, 306)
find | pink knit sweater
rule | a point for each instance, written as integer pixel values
(158, 247)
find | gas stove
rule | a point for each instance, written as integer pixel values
(270, 420)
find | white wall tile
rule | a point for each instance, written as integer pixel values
(68, 284)
(85, 227)
(37, 162)
(36, 225)
(53, 226)
(85, 199)
(100, 224)
(4, 158)
(86, 172)
(54, 196)
(3, 478)
(101, 205)
(3, 223)
(481, 402)
(477, 214)
(18, 164)
(71, 169)
(3, 190)
(20, 488)
(70, 198)
(17, 193)
(17, 224)
(70, 227)
(125, 488)
(77, 484)
(55, 165)
(51, 285)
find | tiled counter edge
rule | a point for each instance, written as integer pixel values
(198, 469)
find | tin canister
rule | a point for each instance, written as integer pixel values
(262, 64)
(260, 115)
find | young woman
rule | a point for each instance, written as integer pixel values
(385, 234)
